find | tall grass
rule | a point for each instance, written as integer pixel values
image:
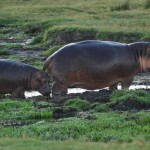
(25, 144)
(107, 127)
(125, 5)
(92, 14)
(147, 4)
(4, 52)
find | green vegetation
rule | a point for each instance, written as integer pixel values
(77, 103)
(76, 20)
(100, 107)
(92, 122)
(38, 64)
(12, 45)
(4, 52)
(147, 4)
(125, 127)
(21, 110)
(26, 144)
(123, 121)
(140, 95)
(130, 100)
(51, 50)
(65, 34)
(124, 6)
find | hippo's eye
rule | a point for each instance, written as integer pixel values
(43, 81)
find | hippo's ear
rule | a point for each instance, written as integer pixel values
(38, 75)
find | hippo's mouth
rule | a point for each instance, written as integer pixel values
(46, 94)
(45, 90)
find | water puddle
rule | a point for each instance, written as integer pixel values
(15, 41)
(28, 54)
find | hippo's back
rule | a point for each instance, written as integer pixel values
(91, 48)
(13, 71)
(11, 65)
(92, 54)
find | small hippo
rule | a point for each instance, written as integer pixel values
(17, 77)
(95, 64)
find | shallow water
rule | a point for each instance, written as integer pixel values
(79, 90)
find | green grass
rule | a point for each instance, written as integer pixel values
(130, 99)
(35, 120)
(55, 23)
(77, 103)
(100, 107)
(26, 144)
(12, 45)
(51, 50)
(140, 95)
(21, 110)
(4, 52)
(38, 64)
(147, 4)
(125, 5)
(64, 34)
(107, 127)
(80, 19)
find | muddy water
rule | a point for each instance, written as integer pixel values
(23, 51)
(79, 90)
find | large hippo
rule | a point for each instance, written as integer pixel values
(97, 64)
(17, 77)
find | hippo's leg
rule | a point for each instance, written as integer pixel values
(18, 93)
(113, 87)
(58, 92)
(126, 83)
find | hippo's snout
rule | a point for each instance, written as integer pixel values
(45, 90)
(46, 94)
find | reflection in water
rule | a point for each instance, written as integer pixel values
(78, 90)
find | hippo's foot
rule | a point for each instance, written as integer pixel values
(17, 96)
(18, 93)
(113, 87)
(59, 92)
(126, 83)
(58, 98)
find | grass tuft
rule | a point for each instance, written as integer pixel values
(64, 35)
(2, 96)
(140, 95)
(51, 50)
(147, 4)
(4, 52)
(130, 99)
(8, 105)
(77, 103)
(100, 107)
(125, 5)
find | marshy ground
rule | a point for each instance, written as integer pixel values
(90, 120)
(89, 116)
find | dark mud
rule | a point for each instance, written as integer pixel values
(102, 97)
